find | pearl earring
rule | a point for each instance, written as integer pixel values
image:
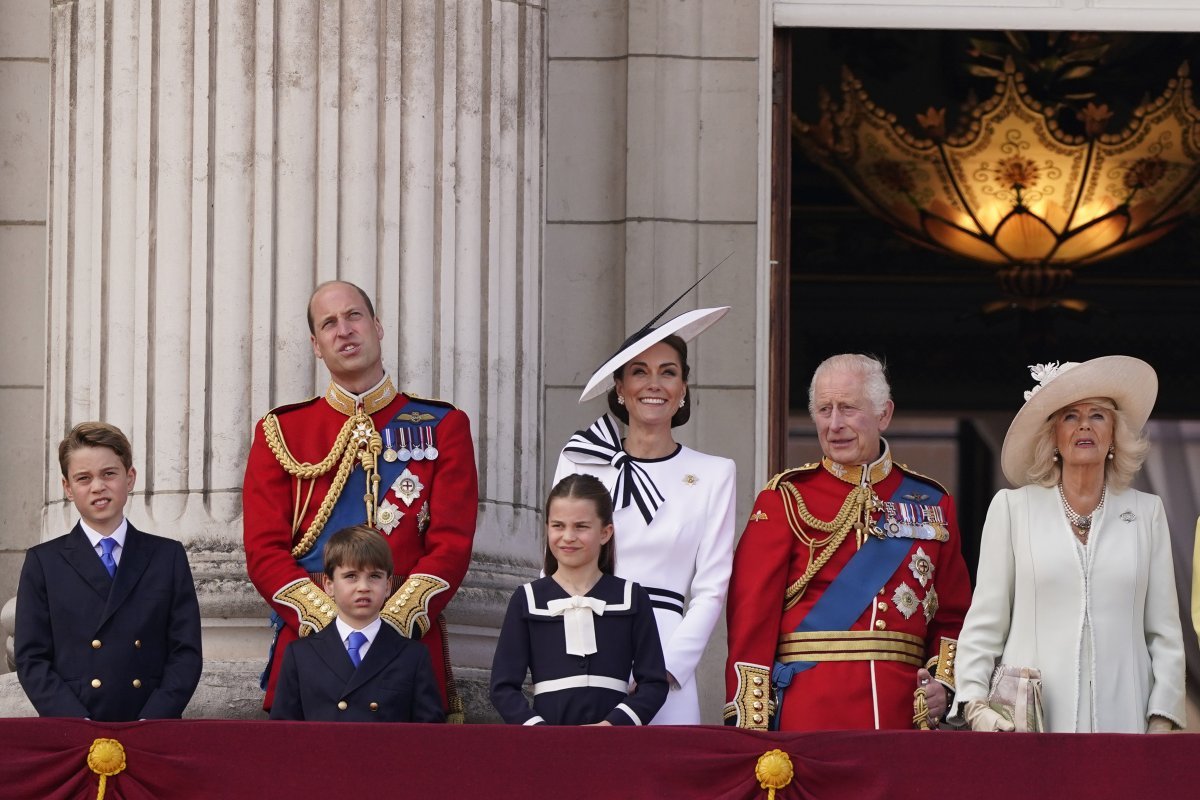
(1111, 453)
(1056, 454)
(682, 401)
(620, 400)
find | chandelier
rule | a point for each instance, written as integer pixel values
(1010, 188)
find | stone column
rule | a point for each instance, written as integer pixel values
(213, 161)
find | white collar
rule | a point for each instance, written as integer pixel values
(370, 631)
(117, 536)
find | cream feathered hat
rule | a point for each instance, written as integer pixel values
(1129, 382)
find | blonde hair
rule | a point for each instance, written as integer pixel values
(1129, 450)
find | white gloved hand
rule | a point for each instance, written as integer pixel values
(981, 717)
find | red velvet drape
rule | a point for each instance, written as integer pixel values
(46, 758)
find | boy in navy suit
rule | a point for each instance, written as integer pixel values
(107, 623)
(357, 670)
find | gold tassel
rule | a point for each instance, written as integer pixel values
(920, 709)
(106, 757)
(773, 771)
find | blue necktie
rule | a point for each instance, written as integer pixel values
(354, 641)
(106, 558)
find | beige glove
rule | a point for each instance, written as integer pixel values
(1160, 725)
(981, 717)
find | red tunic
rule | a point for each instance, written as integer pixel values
(770, 557)
(443, 550)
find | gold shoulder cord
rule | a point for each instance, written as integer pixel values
(849, 516)
(357, 439)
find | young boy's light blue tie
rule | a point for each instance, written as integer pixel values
(106, 558)
(355, 640)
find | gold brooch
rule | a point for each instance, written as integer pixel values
(690, 480)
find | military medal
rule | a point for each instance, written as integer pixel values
(423, 518)
(431, 452)
(418, 452)
(404, 454)
(389, 444)
(407, 487)
(387, 516)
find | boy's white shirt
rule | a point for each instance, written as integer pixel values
(117, 536)
(370, 631)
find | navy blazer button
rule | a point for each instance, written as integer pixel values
(137, 683)
(343, 705)
(95, 683)
(95, 644)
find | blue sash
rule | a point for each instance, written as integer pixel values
(349, 508)
(854, 588)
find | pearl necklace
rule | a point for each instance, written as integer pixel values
(1083, 523)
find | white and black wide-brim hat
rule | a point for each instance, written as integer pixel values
(1129, 382)
(687, 326)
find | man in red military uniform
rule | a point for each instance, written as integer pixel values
(848, 582)
(360, 454)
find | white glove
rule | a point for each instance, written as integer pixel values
(981, 717)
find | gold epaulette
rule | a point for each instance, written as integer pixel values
(751, 706)
(408, 609)
(434, 401)
(936, 484)
(314, 608)
(291, 406)
(774, 482)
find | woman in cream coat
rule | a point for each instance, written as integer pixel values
(1075, 574)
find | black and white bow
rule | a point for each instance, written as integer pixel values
(601, 444)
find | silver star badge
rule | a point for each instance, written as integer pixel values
(387, 516)
(408, 487)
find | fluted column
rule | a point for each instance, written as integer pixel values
(212, 162)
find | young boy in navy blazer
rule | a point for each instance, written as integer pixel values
(357, 670)
(107, 623)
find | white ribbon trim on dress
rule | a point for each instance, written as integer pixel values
(601, 444)
(578, 625)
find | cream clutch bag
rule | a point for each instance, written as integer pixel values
(1016, 695)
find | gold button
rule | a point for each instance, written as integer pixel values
(757, 706)
(758, 680)
(758, 692)
(415, 584)
(757, 717)
(137, 683)
(137, 643)
(343, 705)
(95, 683)
(374, 706)
(880, 624)
(882, 606)
(951, 647)
(95, 644)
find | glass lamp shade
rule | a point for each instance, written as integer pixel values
(1012, 189)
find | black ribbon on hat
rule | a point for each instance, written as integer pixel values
(601, 444)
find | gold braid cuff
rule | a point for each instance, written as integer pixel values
(408, 609)
(314, 608)
(942, 665)
(751, 706)
(357, 439)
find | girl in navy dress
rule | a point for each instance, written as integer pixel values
(580, 631)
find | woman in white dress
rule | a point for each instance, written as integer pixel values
(1075, 574)
(674, 506)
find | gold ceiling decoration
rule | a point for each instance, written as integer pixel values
(1012, 189)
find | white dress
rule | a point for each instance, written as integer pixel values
(684, 556)
(1101, 622)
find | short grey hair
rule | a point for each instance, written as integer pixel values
(869, 368)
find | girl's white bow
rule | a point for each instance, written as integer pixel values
(577, 613)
